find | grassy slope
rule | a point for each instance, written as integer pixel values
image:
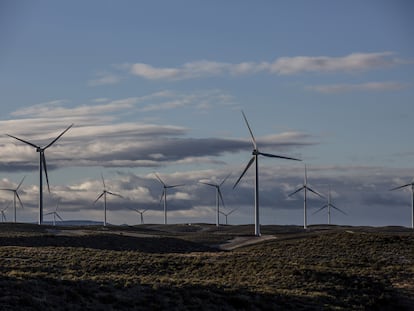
(176, 268)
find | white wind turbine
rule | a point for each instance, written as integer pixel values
(15, 195)
(55, 215)
(305, 189)
(328, 205)
(3, 214)
(103, 194)
(412, 199)
(141, 214)
(164, 195)
(42, 166)
(219, 196)
(229, 213)
(255, 159)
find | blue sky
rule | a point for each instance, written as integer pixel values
(158, 86)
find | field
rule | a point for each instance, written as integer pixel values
(198, 267)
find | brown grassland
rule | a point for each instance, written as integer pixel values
(183, 267)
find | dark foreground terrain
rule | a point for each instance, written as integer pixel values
(183, 267)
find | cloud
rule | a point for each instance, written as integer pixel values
(354, 62)
(104, 78)
(362, 87)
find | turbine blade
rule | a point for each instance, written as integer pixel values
(58, 137)
(224, 180)
(315, 192)
(221, 196)
(58, 216)
(338, 209)
(115, 194)
(20, 201)
(20, 183)
(401, 187)
(24, 141)
(306, 175)
(208, 184)
(49, 213)
(100, 196)
(103, 181)
(244, 172)
(174, 186)
(277, 156)
(163, 194)
(159, 179)
(233, 210)
(296, 191)
(45, 168)
(325, 206)
(250, 130)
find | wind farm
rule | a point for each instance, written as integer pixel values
(209, 155)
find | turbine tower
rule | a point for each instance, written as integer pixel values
(305, 189)
(103, 194)
(164, 195)
(328, 205)
(55, 214)
(3, 214)
(412, 199)
(255, 159)
(229, 213)
(42, 166)
(219, 197)
(15, 195)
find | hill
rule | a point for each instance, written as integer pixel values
(200, 267)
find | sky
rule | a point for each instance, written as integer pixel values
(160, 86)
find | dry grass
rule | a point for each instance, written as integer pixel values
(178, 267)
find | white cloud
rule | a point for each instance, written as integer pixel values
(368, 87)
(104, 78)
(354, 62)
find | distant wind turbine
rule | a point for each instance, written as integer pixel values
(141, 213)
(55, 214)
(3, 214)
(255, 159)
(219, 196)
(229, 213)
(305, 189)
(412, 199)
(15, 195)
(164, 195)
(42, 166)
(103, 194)
(328, 205)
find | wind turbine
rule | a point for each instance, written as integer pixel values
(55, 214)
(412, 199)
(141, 213)
(3, 215)
(42, 166)
(229, 213)
(16, 195)
(164, 195)
(328, 205)
(305, 189)
(103, 194)
(219, 197)
(255, 159)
